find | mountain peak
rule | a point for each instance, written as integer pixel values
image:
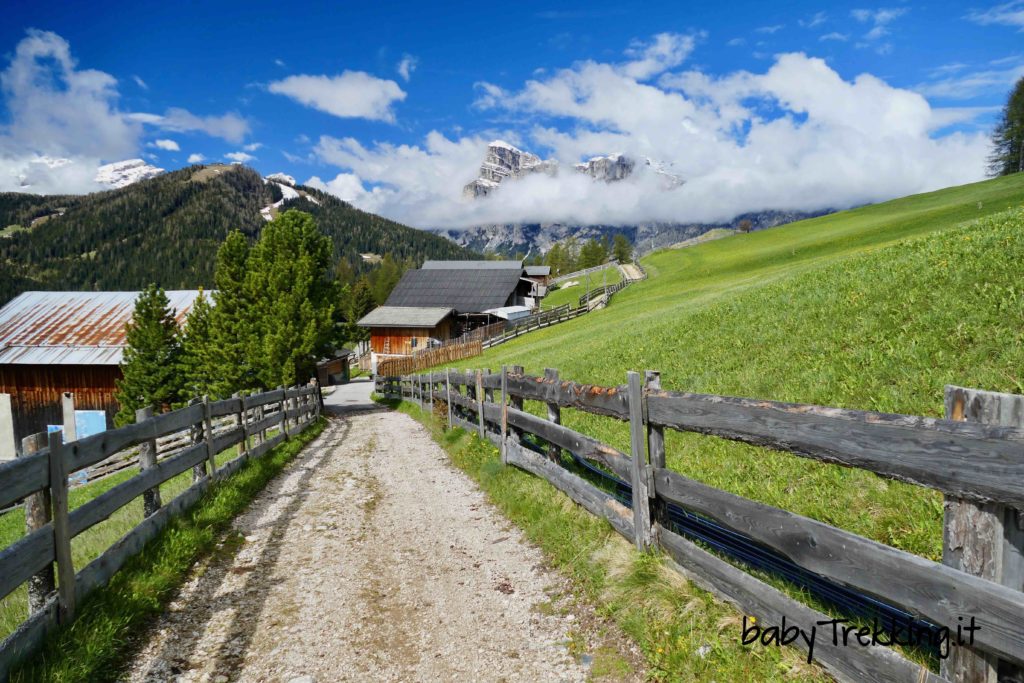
(123, 173)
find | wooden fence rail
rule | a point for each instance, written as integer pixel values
(192, 436)
(977, 464)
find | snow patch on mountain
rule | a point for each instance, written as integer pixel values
(123, 173)
(281, 178)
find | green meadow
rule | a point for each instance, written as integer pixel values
(875, 308)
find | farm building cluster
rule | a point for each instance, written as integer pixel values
(445, 299)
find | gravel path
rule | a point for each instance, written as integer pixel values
(369, 558)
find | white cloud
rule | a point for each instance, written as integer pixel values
(253, 146)
(965, 85)
(814, 21)
(196, 158)
(407, 66)
(828, 143)
(666, 51)
(353, 94)
(63, 121)
(880, 19)
(1006, 14)
(166, 145)
(139, 82)
(230, 127)
(240, 157)
(775, 28)
(736, 42)
(835, 35)
(280, 63)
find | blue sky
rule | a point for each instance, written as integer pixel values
(391, 105)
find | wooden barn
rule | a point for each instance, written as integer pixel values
(442, 300)
(53, 342)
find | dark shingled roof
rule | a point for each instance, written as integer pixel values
(465, 290)
(472, 265)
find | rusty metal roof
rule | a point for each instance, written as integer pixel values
(73, 328)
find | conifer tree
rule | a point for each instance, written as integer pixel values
(233, 342)
(151, 365)
(293, 299)
(622, 249)
(1008, 137)
(198, 361)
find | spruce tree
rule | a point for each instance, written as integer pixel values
(622, 249)
(293, 299)
(152, 355)
(198, 361)
(1008, 137)
(234, 345)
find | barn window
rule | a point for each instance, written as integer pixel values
(414, 342)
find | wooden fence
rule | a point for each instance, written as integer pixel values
(428, 358)
(192, 437)
(976, 458)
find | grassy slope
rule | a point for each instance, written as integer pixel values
(571, 295)
(818, 311)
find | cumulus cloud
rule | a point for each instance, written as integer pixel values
(65, 121)
(1006, 14)
(231, 126)
(166, 145)
(797, 136)
(353, 94)
(196, 158)
(240, 157)
(407, 66)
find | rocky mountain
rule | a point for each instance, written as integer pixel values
(537, 238)
(123, 173)
(167, 229)
(502, 161)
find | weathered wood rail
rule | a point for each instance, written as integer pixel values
(195, 434)
(978, 465)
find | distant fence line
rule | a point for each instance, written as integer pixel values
(584, 272)
(501, 332)
(190, 438)
(976, 458)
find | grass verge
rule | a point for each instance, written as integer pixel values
(97, 644)
(684, 633)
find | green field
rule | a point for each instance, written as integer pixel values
(876, 308)
(571, 295)
(844, 310)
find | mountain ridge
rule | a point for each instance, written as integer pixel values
(167, 230)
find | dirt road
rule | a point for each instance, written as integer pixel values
(370, 559)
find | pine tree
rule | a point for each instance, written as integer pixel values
(359, 303)
(622, 249)
(233, 342)
(1008, 137)
(293, 299)
(152, 356)
(198, 360)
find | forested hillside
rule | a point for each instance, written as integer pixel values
(166, 230)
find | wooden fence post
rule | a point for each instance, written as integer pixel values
(196, 432)
(147, 460)
(430, 394)
(61, 530)
(517, 403)
(480, 401)
(638, 463)
(504, 415)
(211, 456)
(240, 422)
(984, 540)
(656, 452)
(37, 515)
(448, 393)
(67, 409)
(8, 443)
(554, 414)
(283, 410)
